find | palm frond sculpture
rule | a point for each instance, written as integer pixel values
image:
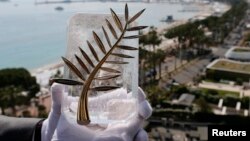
(82, 111)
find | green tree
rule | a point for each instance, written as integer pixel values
(212, 92)
(10, 97)
(180, 89)
(153, 39)
(203, 106)
(155, 94)
(143, 58)
(187, 35)
(161, 55)
(174, 52)
(239, 81)
(17, 87)
(179, 32)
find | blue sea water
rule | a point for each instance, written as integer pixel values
(32, 35)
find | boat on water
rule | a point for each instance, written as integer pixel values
(168, 19)
(59, 8)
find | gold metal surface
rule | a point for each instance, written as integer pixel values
(82, 111)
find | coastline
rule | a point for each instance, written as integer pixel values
(206, 10)
(51, 66)
(43, 73)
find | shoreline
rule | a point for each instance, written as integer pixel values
(43, 74)
(48, 67)
(206, 11)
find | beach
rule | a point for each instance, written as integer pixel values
(36, 35)
(44, 73)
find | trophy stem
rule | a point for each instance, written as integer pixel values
(82, 113)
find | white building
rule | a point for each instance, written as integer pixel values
(238, 53)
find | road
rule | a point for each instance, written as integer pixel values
(186, 74)
(192, 70)
(189, 72)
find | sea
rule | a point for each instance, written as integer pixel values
(34, 35)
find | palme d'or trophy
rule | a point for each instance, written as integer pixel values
(101, 68)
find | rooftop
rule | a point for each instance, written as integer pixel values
(230, 65)
(238, 53)
(241, 50)
(185, 99)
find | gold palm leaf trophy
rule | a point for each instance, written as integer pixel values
(101, 68)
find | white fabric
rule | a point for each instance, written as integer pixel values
(50, 124)
(57, 128)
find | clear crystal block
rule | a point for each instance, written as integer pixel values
(117, 105)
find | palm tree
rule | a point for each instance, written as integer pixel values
(153, 39)
(143, 57)
(174, 52)
(181, 33)
(180, 47)
(161, 55)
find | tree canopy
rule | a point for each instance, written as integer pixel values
(18, 77)
(222, 25)
(12, 83)
(151, 38)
